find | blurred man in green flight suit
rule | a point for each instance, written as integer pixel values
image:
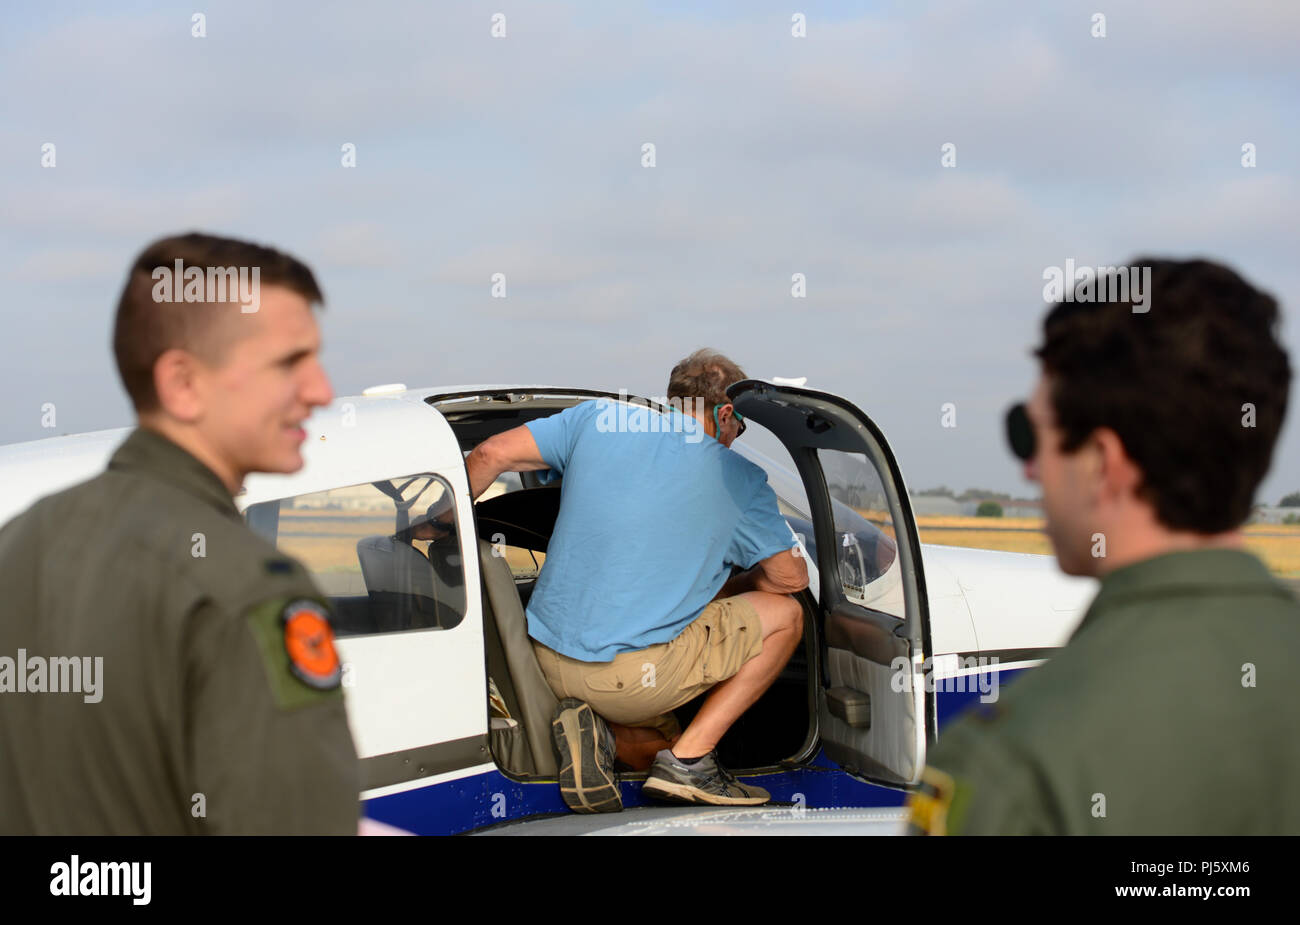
(1171, 710)
(216, 704)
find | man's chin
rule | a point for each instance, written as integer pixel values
(282, 464)
(1070, 568)
(1079, 565)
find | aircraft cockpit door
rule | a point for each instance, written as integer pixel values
(874, 713)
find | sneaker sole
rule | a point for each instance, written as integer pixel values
(584, 785)
(682, 793)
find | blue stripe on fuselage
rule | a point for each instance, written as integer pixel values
(490, 798)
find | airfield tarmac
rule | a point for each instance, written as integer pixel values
(713, 820)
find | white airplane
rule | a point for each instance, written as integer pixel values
(447, 706)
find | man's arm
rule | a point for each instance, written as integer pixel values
(513, 450)
(974, 783)
(783, 573)
(271, 754)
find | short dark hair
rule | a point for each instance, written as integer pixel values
(1177, 383)
(705, 374)
(145, 327)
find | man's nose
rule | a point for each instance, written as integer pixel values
(1031, 469)
(317, 390)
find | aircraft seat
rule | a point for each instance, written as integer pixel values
(400, 583)
(513, 666)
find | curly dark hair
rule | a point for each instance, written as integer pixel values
(1195, 387)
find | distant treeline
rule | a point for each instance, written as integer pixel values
(970, 494)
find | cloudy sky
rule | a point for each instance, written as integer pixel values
(522, 155)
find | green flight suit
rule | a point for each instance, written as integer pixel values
(201, 722)
(1171, 711)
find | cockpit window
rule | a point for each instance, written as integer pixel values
(387, 554)
(505, 482)
(864, 527)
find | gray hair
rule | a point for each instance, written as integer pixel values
(705, 374)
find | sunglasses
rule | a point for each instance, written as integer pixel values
(1020, 432)
(717, 428)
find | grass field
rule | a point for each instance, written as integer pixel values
(1278, 545)
(326, 542)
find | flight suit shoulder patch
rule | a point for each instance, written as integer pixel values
(296, 639)
(931, 802)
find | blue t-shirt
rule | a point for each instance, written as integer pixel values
(653, 513)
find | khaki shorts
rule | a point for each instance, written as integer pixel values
(641, 688)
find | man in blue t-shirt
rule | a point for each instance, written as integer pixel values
(635, 612)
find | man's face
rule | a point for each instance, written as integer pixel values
(430, 530)
(1069, 487)
(255, 400)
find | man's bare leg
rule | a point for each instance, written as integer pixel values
(638, 745)
(782, 619)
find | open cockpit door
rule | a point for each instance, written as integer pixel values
(873, 711)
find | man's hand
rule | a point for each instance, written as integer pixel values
(783, 573)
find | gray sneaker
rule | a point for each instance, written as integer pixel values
(706, 781)
(585, 747)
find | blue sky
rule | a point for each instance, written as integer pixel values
(521, 155)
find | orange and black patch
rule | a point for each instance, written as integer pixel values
(309, 642)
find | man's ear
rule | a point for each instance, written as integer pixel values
(175, 381)
(1118, 475)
